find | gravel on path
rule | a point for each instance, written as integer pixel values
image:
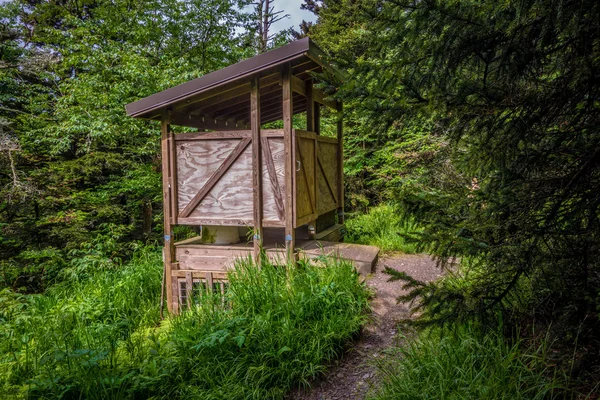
(354, 373)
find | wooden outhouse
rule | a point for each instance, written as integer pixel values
(233, 176)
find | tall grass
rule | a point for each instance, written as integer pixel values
(71, 334)
(466, 364)
(101, 338)
(383, 226)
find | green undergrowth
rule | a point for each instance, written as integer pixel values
(464, 363)
(383, 226)
(102, 338)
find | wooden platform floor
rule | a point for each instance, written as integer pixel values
(193, 254)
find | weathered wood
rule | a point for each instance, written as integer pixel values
(229, 222)
(189, 288)
(278, 197)
(268, 84)
(326, 219)
(225, 135)
(332, 190)
(310, 126)
(198, 274)
(289, 145)
(334, 233)
(173, 177)
(215, 178)
(209, 280)
(299, 87)
(305, 182)
(325, 139)
(257, 187)
(181, 119)
(327, 177)
(276, 114)
(340, 164)
(168, 231)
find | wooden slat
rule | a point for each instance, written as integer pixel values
(168, 231)
(183, 119)
(214, 178)
(189, 288)
(276, 114)
(224, 93)
(225, 135)
(256, 167)
(232, 110)
(209, 280)
(303, 167)
(268, 84)
(290, 170)
(225, 222)
(219, 135)
(173, 178)
(310, 127)
(326, 139)
(326, 179)
(299, 87)
(268, 157)
(199, 274)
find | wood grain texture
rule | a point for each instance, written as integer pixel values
(216, 177)
(169, 251)
(327, 179)
(310, 126)
(230, 200)
(274, 168)
(305, 179)
(257, 166)
(289, 145)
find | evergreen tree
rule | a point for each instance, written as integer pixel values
(512, 187)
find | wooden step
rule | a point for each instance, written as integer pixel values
(363, 257)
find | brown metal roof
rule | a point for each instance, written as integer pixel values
(224, 96)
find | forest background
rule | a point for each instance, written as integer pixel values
(476, 120)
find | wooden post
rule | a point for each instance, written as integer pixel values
(317, 111)
(310, 126)
(169, 253)
(256, 166)
(290, 168)
(340, 154)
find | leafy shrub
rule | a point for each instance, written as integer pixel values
(101, 339)
(465, 364)
(384, 227)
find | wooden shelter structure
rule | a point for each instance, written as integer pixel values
(285, 184)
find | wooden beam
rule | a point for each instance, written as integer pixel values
(298, 86)
(224, 93)
(173, 177)
(181, 119)
(214, 178)
(340, 154)
(256, 167)
(237, 106)
(310, 126)
(242, 113)
(290, 170)
(276, 114)
(169, 250)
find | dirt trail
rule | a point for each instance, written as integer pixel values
(353, 374)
